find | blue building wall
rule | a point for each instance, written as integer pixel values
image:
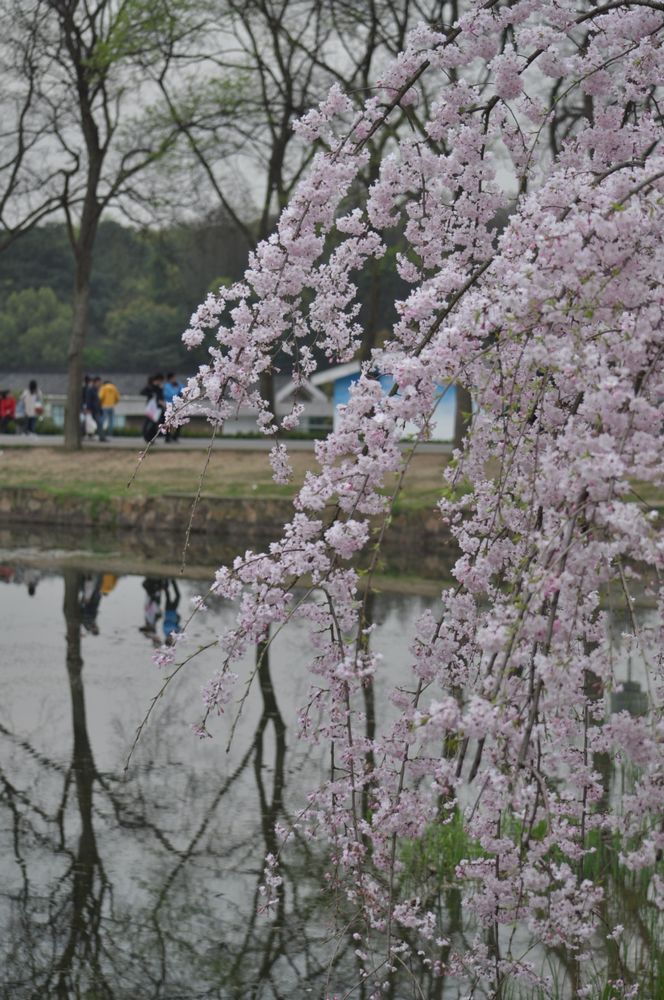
(442, 423)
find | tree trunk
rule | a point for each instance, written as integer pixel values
(372, 315)
(267, 390)
(462, 415)
(81, 304)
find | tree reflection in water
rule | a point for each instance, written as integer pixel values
(147, 888)
(79, 923)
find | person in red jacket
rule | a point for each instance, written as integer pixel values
(7, 410)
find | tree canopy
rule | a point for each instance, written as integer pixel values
(143, 289)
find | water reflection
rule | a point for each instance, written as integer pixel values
(78, 946)
(89, 598)
(147, 886)
(152, 608)
(27, 575)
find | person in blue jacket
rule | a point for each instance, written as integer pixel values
(172, 388)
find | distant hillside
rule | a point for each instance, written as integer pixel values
(145, 286)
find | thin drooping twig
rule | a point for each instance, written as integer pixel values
(197, 498)
(158, 695)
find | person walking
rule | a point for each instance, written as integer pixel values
(109, 397)
(93, 407)
(33, 406)
(172, 390)
(153, 391)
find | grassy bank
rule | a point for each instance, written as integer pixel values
(95, 474)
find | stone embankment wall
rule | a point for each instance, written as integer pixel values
(417, 543)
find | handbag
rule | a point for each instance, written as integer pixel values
(152, 411)
(90, 424)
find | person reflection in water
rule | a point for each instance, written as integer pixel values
(31, 578)
(171, 617)
(152, 610)
(27, 575)
(89, 598)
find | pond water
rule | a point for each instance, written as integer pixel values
(144, 884)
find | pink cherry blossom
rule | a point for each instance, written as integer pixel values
(544, 115)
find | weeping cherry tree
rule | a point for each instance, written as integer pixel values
(548, 112)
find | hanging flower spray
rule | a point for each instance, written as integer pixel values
(548, 113)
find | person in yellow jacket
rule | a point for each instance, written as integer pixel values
(109, 398)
